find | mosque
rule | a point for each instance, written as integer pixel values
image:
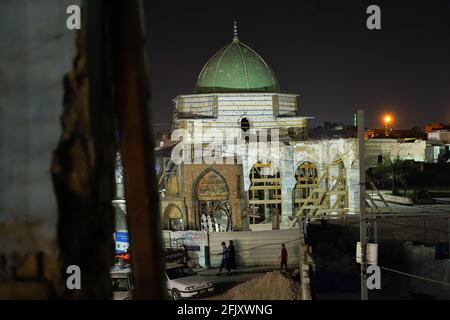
(241, 158)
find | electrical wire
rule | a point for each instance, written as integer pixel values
(396, 271)
(318, 264)
(415, 276)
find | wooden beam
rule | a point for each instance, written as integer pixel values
(264, 201)
(137, 150)
(265, 187)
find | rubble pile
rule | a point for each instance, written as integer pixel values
(271, 286)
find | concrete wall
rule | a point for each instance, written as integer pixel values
(36, 52)
(421, 261)
(258, 248)
(192, 239)
(437, 153)
(390, 148)
(324, 154)
(442, 136)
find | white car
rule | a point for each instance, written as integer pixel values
(183, 282)
(122, 284)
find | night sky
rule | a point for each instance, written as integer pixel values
(319, 49)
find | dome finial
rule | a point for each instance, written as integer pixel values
(235, 32)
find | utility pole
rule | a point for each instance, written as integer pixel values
(362, 204)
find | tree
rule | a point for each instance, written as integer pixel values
(396, 171)
(419, 180)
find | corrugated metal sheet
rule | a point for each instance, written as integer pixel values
(258, 248)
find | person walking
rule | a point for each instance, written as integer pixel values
(231, 255)
(185, 255)
(224, 264)
(283, 258)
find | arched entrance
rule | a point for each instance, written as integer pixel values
(213, 203)
(339, 191)
(321, 194)
(265, 191)
(173, 219)
(307, 180)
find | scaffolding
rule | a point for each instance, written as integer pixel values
(264, 191)
(322, 194)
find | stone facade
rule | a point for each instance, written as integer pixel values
(255, 139)
(187, 201)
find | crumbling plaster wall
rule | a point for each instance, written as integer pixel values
(391, 148)
(37, 50)
(325, 154)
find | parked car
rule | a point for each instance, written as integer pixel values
(122, 284)
(123, 259)
(183, 282)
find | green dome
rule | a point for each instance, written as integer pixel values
(236, 68)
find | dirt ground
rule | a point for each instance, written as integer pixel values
(269, 286)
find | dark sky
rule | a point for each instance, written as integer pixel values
(319, 49)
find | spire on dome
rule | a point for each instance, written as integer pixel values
(235, 32)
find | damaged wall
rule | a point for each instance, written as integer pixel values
(37, 51)
(392, 149)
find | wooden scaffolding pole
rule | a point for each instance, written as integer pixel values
(137, 149)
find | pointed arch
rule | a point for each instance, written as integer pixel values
(212, 198)
(173, 218)
(265, 191)
(307, 180)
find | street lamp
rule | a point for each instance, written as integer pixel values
(387, 122)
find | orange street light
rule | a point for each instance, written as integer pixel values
(387, 121)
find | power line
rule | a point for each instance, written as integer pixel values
(415, 276)
(322, 265)
(397, 271)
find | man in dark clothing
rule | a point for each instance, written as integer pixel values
(231, 256)
(283, 258)
(185, 256)
(224, 263)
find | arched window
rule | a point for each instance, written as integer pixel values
(173, 219)
(265, 191)
(326, 194)
(307, 180)
(213, 202)
(339, 181)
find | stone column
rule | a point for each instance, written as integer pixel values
(353, 188)
(287, 174)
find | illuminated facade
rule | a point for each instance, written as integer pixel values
(242, 156)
